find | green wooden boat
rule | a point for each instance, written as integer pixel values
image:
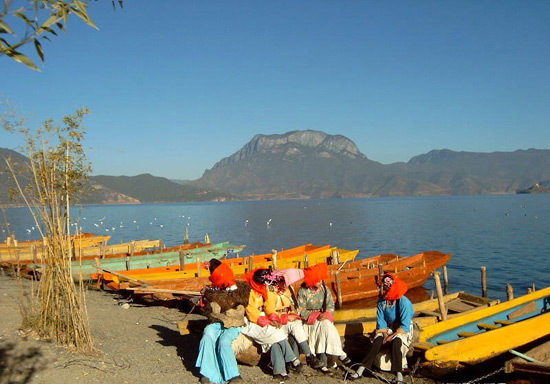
(82, 270)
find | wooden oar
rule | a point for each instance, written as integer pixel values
(124, 276)
(161, 290)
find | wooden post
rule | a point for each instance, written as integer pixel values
(182, 260)
(33, 251)
(102, 249)
(484, 281)
(306, 261)
(510, 292)
(380, 270)
(529, 290)
(132, 247)
(186, 237)
(338, 290)
(446, 279)
(161, 245)
(274, 253)
(440, 298)
(199, 267)
(250, 262)
(534, 289)
(127, 263)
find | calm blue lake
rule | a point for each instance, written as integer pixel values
(509, 234)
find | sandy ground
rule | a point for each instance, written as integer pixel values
(136, 344)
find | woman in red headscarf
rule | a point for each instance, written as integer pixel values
(393, 326)
(224, 304)
(316, 307)
(263, 325)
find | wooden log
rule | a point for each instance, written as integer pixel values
(306, 261)
(250, 262)
(510, 292)
(440, 298)
(484, 281)
(199, 267)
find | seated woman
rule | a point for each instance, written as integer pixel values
(316, 308)
(286, 307)
(393, 326)
(263, 325)
(224, 304)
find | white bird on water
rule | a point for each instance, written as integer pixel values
(268, 223)
(246, 223)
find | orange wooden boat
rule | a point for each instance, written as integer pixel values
(117, 280)
(357, 283)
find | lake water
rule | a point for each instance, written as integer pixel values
(508, 234)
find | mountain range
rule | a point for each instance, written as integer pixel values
(312, 164)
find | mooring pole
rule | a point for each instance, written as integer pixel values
(440, 298)
(510, 292)
(484, 281)
(446, 279)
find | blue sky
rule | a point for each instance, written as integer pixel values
(175, 86)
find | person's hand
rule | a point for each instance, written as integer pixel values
(276, 324)
(322, 316)
(293, 317)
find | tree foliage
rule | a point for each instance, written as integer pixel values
(40, 20)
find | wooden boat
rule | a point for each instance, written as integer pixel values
(83, 269)
(359, 280)
(293, 257)
(284, 261)
(363, 320)
(15, 251)
(533, 363)
(482, 335)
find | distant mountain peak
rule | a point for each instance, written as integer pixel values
(292, 142)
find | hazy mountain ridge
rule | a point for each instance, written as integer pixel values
(313, 164)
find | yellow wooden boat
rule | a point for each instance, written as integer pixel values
(478, 336)
(32, 251)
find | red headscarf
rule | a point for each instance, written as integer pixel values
(222, 276)
(397, 288)
(313, 275)
(256, 286)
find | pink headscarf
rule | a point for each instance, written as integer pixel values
(290, 275)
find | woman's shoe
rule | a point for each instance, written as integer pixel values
(299, 368)
(314, 362)
(325, 370)
(205, 380)
(280, 377)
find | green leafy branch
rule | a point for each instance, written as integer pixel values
(41, 19)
